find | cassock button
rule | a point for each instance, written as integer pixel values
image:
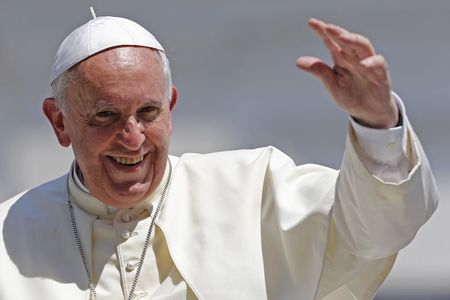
(131, 266)
(125, 234)
(126, 218)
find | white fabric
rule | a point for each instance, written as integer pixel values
(384, 151)
(118, 237)
(244, 224)
(116, 244)
(96, 35)
(112, 253)
(383, 145)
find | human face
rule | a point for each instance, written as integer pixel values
(118, 121)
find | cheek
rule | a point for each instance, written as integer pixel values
(158, 133)
(159, 139)
(88, 153)
(89, 143)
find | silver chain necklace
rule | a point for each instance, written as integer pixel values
(93, 294)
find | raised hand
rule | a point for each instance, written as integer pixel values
(359, 81)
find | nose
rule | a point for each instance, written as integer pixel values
(132, 136)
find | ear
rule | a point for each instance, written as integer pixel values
(173, 101)
(56, 118)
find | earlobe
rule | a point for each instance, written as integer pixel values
(56, 118)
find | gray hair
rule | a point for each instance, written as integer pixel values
(67, 78)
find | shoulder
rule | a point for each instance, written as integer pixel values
(269, 156)
(33, 227)
(41, 199)
(241, 156)
(236, 165)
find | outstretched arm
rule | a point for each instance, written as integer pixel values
(382, 196)
(359, 81)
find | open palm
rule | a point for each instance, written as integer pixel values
(359, 81)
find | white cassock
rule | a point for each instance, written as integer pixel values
(245, 224)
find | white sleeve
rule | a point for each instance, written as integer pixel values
(383, 151)
(385, 191)
(381, 201)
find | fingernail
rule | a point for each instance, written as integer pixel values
(367, 62)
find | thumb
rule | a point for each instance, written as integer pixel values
(318, 68)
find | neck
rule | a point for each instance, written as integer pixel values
(81, 196)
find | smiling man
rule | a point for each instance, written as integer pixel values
(117, 120)
(129, 221)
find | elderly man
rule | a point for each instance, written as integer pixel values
(131, 222)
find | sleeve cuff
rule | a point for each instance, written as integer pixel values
(383, 145)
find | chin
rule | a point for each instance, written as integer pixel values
(122, 204)
(126, 201)
(125, 198)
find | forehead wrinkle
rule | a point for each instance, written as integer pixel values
(95, 74)
(103, 104)
(120, 57)
(132, 56)
(96, 71)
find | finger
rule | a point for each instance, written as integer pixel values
(319, 27)
(375, 68)
(335, 32)
(347, 56)
(341, 54)
(317, 68)
(340, 71)
(359, 43)
(356, 46)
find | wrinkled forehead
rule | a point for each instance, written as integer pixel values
(121, 60)
(96, 36)
(122, 77)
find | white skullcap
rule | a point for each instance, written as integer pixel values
(96, 35)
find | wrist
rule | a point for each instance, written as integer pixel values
(388, 119)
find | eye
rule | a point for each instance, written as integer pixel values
(105, 114)
(149, 113)
(148, 109)
(104, 117)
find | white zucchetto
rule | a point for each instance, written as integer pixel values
(96, 35)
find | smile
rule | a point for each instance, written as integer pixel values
(128, 161)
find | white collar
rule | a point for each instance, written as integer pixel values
(80, 196)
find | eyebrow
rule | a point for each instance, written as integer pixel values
(102, 104)
(151, 102)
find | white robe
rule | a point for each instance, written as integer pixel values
(244, 224)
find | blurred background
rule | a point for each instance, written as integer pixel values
(234, 65)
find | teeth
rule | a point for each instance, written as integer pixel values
(128, 161)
